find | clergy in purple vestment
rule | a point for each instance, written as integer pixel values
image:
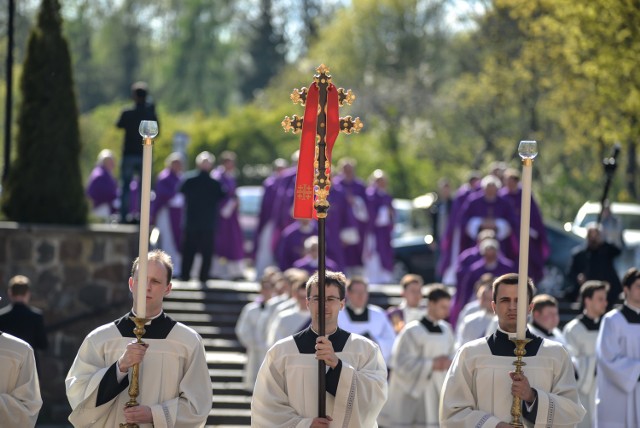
(489, 263)
(133, 213)
(341, 227)
(378, 257)
(472, 254)
(166, 209)
(309, 262)
(228, 259)
(291, 244)
(355, 192)
(263, 239)
(487, 210)
(450, 242)
(282, 214)
(538, 243)
(102, 187)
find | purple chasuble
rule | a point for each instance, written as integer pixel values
(538, 244)
(379, 203)
(355, 192)
(228, 235)
(291, 243)
(102, 188)
(166, 189)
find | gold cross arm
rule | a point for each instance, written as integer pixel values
(293, 124)
(349, 125)
(299, 96)
(345, 97)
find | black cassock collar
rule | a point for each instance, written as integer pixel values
(430, 325)
(589, 323)
(630, 315)
(159, 328)
(363, 317)
(501, 346)
(306, 340)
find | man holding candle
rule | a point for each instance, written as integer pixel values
(480, 382)
(175, 387)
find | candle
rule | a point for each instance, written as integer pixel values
(527, 150)
(148, 129)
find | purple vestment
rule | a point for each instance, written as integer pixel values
(355, 192)
(476, 209)
(340, 227)
(284, 190)
(382, 215)
(538, 243)
(229, 241)
(464, 290)
(310, 264)
(451, 240)
(291, 244)
(269, 186)
(167, 197)
(102, 188)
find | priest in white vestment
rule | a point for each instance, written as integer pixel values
(20, 399)
(175, 386)
(286, 391)
(618, 354)
(581, 334)
(480, 382)
(367, 320)
(421, 357)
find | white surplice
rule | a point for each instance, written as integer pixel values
(174, 379)
(251, 335)
(618, 378)
(477, 389)
(581, 342)
(20, 399)
(414, 387)
(377, 327)
(286, 390)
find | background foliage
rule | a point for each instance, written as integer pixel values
(443, 86)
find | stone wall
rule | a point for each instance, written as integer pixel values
(79, 280)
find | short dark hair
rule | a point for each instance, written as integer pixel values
(156, 256)
(589, 288)
(630, 276)
(19, 285)
(357, 280)
(512, 279)
(436, 292)
(541, 301)
(411, 278)
(337, 279)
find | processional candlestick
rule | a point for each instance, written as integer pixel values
(528, 150)
(148, 130)
(320, 127)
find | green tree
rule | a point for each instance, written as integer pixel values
(44, 183)
(266, 49)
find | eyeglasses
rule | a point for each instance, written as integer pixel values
(329, 299)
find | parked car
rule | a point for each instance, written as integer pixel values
(415, 252)
(249, 200)
(629, 216)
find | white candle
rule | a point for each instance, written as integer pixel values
(528, 150)
(141, 301)
(148, 129)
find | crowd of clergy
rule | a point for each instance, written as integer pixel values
(362, 219)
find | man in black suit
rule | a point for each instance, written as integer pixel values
(22, 320)
(202, 194)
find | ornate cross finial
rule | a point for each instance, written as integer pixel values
(321, 101)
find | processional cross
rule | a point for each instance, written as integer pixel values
(320, 127)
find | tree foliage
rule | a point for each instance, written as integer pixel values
(44, 183)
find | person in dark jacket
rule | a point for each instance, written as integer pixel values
(21, 320)
(202, 195)
(595, 261)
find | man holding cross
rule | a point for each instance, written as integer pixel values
(286, 391)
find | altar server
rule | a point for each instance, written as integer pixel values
(479, 385)
(286, 392)
(420, 359)
(175, 386)
(618, 353)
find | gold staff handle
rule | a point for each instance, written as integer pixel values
(134, 387)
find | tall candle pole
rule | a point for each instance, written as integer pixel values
(527, 150)
(148, 130)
